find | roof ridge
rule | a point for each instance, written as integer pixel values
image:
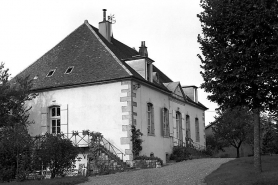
(107, 48)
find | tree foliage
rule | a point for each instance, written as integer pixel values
(15, 153)
(239, 45)
(13, 95)
(136, 140)
(15, 142)
(214, 145)
(57, 153)
(270, 137)
(233, 126)
(239, 61)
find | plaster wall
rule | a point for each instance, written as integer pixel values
(158, 144)
(96, 108)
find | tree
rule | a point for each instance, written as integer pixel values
(233, 126)
(15, 142)
(239, 62)
(15, 153)
(136, 141)
(270, 137)
(213, 145)
(57, 153)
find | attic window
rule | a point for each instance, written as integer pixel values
(50, 73)
(69, 70)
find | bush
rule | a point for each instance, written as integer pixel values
(143, 157)
(179, 154)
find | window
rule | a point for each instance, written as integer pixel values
(188, 134)
(69, 70)
(50, 73)
(197, 130)
(165, 122)
(150, 119)
(179, 126)
(55, 120)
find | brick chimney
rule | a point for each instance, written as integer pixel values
(143, 50)
(105, 27)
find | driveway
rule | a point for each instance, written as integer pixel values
(190, 172)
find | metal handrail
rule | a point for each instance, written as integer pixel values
(190, 143)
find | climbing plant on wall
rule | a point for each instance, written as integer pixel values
(136, 140)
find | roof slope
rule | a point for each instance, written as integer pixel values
(82, 49)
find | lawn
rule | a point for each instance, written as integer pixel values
(56, 181)
(241, 171)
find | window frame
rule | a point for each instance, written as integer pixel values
(179, 125)
(197, 130)
(150, 119)
(69, 68)
(55, 119)
(165, 122)
(51, 73)
(187, 126)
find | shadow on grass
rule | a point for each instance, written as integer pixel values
(241, 171)
(56, 181)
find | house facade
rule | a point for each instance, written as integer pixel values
(91, 81)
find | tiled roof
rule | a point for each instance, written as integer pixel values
(94, 60)
(91, 60)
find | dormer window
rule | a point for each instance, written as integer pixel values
(50, 73)
(69, 70)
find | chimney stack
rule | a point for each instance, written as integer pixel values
(143, 50)
(105, 27)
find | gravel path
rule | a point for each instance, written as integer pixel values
(190, 172)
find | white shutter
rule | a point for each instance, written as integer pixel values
(175, 128)
(171, 125)
(163, 124)
(64, 118)
(44, 121)
(152, 122)
(183, 127)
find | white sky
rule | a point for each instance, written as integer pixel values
(30, 28)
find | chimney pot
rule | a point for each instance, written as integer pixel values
(143, 49)
(104, 14)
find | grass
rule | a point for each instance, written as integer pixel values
(56, 181)
(241, 171)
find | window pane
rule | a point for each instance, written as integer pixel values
(58, 122)
(58, 111)
(53, 123)
(53, 111)
(54, 130)
(58, 130)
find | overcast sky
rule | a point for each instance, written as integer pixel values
(30, 28)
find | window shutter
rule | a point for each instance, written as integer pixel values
(183, 127)
(148, 122)
(152, 122)
(163, 124)
(171, 125)
(175, 128)
(64, 118)
(44, 122)
(167, 123)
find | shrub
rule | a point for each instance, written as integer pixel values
(143, 157)
(179, 154)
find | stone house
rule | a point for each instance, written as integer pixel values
(91, 81)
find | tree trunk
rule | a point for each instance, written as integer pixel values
(257, 147)
(237, 152)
